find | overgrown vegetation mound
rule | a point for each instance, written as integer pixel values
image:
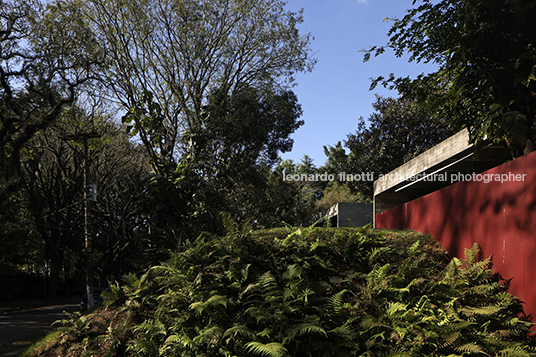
(305, 292)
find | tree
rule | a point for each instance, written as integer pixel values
(226, 167)
(186, 72)
(44, 60)
(486, 53)
(16, 222)
(336, 162)
(242, 138)
(288, 202)
(335, 193)
(54, 182)
(182, 52)
(397, 131)
(121, 216)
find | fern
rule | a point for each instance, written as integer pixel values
(469, 348)
(213, 301)
(321, 292)
(335, 302)
(240, 330)
(272, 349)
(344, 331)
(302, 329)
(292, 272)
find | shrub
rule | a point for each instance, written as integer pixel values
(313, 292)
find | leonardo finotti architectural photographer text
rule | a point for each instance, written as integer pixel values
(441, 177)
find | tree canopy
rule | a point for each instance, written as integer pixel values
(486, 54)
(44, 62)
(183, 52)
(397, 131)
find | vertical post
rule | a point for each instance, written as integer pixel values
(87, 227)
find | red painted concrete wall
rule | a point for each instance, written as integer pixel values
(500, 217)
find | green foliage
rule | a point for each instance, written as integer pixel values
(314, 292)
(290, 202)
(485, 51)
(188, 51)
(335, 193)
(395, 133)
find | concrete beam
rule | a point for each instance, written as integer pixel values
(415, 178)
(456, 144)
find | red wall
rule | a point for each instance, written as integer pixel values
(500, 217)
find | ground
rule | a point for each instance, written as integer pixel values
(21, 323)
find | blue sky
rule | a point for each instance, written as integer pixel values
(336, 93)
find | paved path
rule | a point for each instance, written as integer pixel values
(29, 324)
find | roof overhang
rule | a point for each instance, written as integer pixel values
(435, 169)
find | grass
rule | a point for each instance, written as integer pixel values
(31, 348)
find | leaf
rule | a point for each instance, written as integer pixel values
(469, 347)
(304, 328)
(272, 349)
(395, 307)
(481, 311)
(343, 331)
(292, 271)
(240, 330)
(217, 300)
(335, 302)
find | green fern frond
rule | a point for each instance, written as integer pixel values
(240, 330)
(376, 252)
(293, 271)
(287, 294)
(265, 333)
(317, 244)
(267, 280)
(376, 278)
(416, 282)
(198, 307)
(214, 300)
(162, 270)
(209, 335)
(250, 288)
(173, 339)
(182, 340)
(450, 339)
(131, 280)
(258, 314)
(304, 295)
(71, 320)
(471, 255)
(335, 301)
(395, 307)
(470, 348)
(296, 233)
(481, 311)
(517, 351)
(217, 300)
(272, 349)
(483, 289)
(414, 247)
(343, 331)
(302, 329)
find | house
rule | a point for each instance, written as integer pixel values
(344, 215)
(460, 196)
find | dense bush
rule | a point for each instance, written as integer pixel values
(306, 292)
